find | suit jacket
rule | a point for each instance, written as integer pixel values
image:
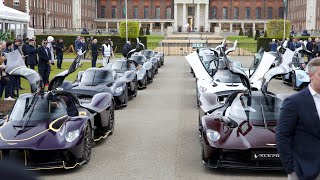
(298, 135)
(94, 49)
(44, 58)
(32, 54)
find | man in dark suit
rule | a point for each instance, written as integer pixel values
(44, 61)
(94, 50)
(298, 129)
(31, 52)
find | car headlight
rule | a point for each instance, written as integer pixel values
(202, 89)
(119, 90)
(213, 135)
(300, 76)
(72, 135)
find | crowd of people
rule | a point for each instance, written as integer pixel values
(44, 57)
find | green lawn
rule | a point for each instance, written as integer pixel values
(55, 71)
(153, 41)
(245, 42)
(73, 56)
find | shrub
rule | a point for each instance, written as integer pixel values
(147, 31)
(264, 43)
(265, 34)
(241, 32)
(257, 35)
(250, 33)
(69, 40)
(141, 32)
(133, 29)
(275, 29)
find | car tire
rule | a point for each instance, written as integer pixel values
(87, 143)
(126, 98)
(203, 158)
(136, 88)
(294, 81)
(111, 120)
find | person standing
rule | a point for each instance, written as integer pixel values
(24, 50)
(31, 53)
(44, 62)
(273, 45)
(126, 48)
(297, 132)
(50, 45)
(94, 50)
(309, 47)
(59, 53)
(106, 53)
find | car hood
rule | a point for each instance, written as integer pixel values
(218, 87)
(99, 88)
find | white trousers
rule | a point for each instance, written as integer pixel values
(105, 60)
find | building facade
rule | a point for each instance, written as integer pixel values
(196, 15)
(304, 15)
(58, 14)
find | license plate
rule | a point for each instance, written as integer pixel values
(264, 156)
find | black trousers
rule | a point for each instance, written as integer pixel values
(44, 73)
(94, 60)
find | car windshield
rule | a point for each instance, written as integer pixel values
(148, 53)
(258, 110)
(207, 61)
(96, 77)
(37, 108)
(225, 76)
(120, 65)
(138, 59)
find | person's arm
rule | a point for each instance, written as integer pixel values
(284, 133)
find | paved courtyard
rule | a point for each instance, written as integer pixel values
(156, 135)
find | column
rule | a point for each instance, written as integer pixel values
(151, 27)
(118, 26)
(198, 18)
(107, 26)
(265, 26)
(242, 26)
(184, 17)
(206, 19)
(175, 27)
(231, 27)
(162, 27)
(253, 26)
(3, 27)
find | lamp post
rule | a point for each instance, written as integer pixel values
(193, 10)
(126, 5)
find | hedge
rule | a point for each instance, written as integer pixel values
(275, 28)
(133, 29)
(117, 40)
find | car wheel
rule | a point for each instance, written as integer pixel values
(294, 81)
(145, 81)
(111, 120)
(200, 125)
(87, 143)
(203, 157)
(136, 88)
(126, 97)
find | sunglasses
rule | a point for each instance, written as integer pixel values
(44, 43)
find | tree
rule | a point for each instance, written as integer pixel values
(133, 29)
(257, 35)
(148, 31)
(241, 32)
(275, 29)
(141, 33)
(250, 33)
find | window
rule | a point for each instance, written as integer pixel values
(214, 13)
(236, 13)
(258, 13)
(113, 12)
(190, 11)
(157, 12)
(270, 12)
(281, 12)
(146, 12)
(124, 12)
(168, 13)
(248, 13)
(135, 12)
(103, 11)
(16, 2)
(225, 13)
